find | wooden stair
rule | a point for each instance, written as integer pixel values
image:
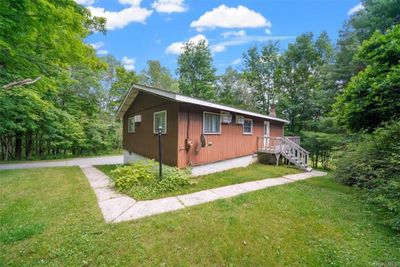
(282, 146)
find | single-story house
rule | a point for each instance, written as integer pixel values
(205, 136)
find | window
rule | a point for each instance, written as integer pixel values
(131, 125)
(248, 126)
(160, 120)
(211, 123)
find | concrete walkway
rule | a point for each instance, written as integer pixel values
(117, 207)
(66, 162)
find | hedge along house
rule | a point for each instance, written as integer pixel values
(205, 136)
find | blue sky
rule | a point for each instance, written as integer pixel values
(139, 30)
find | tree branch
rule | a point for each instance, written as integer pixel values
(21, 82)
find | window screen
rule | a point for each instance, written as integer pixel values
(160, 120)
(248, 126)
(131, 125)
(211, 123)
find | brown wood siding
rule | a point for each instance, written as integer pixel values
(231, 143)
(144, 142)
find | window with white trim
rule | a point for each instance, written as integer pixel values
(160, 120)
(211, 123)
(131, 125)
(248, 126)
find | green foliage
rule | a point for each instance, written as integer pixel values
(377, 15)
(233, 90)
(373, 95)
(70, 110)
(196, 72)
(373, 164)
(321, 146)
(141, 180)
(306, 90)
(323, 138)
(158, 76)
(138, 174)
(262, 72)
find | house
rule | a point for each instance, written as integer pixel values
(205, 136)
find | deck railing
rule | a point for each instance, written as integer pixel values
(284, 146)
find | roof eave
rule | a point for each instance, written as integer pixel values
(130, 97)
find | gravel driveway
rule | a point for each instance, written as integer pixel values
(66, 162)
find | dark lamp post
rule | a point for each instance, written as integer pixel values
(160, 130)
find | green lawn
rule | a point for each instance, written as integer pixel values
(234, 176)
(51, 217)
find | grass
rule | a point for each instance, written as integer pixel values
(233, 176)
(51, 217)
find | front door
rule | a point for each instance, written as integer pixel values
(266, 134)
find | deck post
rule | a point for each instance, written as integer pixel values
(277, 155)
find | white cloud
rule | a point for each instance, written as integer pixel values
(84, 2)
(268, 31)
(102, 52)
(130, 2)
(97, 45)
(237, 61)
(177, 47)
(230, 17)
(355, 9)
(240, 33)
(217, 48)
(119, 19)
(128, 63)
(169, 6)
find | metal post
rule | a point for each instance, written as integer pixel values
(160, 151)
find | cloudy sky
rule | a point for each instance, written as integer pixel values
(139, 30)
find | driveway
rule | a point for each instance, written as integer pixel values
(65, 162)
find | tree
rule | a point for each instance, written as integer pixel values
(232, 89)
(373, 95)
(157, 76)
(261, 71)
(196, 72)
(48, 117)
(376, 15)
(304, 81)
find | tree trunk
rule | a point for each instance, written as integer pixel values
(18, 145)
(28, 145)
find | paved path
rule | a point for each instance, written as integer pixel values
(117, 207)
(67, 162)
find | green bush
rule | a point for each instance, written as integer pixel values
(139, 173)
(141, 180)
(373, 164)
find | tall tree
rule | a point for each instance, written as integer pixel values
(158, 76)
(303, 80)
(233, 89)
(373, 95)
(46, 39)
(196, 72)
(261, 70)
(376, 15)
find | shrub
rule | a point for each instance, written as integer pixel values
(373, 164)
(141, 179)
(139, 173)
